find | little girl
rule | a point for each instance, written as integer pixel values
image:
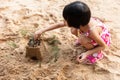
(91, 32)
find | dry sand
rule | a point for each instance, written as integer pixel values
(20, 18)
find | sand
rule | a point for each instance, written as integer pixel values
(21, 18)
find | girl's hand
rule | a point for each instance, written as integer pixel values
(81, 57)
(37, 34)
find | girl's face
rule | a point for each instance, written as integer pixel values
(65, 22)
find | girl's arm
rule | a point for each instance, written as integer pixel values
(96, 36)
(51, 27)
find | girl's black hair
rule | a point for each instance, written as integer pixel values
(77, 14)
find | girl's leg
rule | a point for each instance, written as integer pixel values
(74, 31)
(85, 42)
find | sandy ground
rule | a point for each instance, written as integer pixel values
(20, 18)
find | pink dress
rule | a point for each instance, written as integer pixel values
(105, 35)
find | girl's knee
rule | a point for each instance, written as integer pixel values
(88, 46)
(74, 31)
(83, 40)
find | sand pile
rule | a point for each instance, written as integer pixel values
(20, 18)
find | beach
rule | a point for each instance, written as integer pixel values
(19, 19)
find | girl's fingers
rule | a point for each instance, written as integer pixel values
(79, 58)
(35, 36)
